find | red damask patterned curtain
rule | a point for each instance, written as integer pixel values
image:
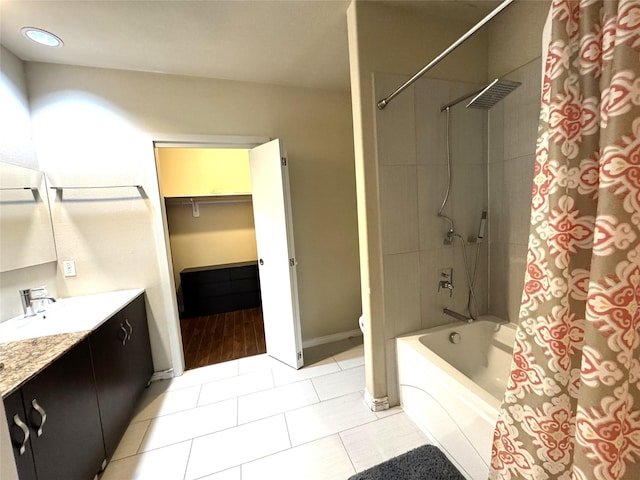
(572, 406)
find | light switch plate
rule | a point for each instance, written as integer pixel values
(69, 268)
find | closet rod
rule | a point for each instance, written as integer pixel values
(385, 101)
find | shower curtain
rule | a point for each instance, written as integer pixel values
(572, 405)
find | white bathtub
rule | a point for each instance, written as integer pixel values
(453, 391)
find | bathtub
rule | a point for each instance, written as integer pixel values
(453, 391)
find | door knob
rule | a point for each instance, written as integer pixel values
(261, 262)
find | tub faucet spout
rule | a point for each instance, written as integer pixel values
(457, 316)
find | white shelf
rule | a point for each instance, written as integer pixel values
(196, 200)
(60, 189)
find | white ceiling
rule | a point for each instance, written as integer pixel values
(286, 42)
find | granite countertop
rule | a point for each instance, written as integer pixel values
(23, 359)
(29, 345)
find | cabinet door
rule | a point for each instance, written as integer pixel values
(67, 443)
(122, 365)
(16, 420)
(139, 361)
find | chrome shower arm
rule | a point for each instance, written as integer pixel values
(460, 99)
(385, 101)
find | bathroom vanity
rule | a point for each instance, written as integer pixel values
(70, 393)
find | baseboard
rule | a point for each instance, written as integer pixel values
(162, 375)
(376, 404)
(312, 342)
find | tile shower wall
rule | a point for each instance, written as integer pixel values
(412, 152)
(492, 157)
(412, 155)
(513, 125)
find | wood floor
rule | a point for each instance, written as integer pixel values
(222, 337)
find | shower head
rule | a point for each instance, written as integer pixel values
(486, 97)
(492, 94)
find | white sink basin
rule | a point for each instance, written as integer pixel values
(67, 315)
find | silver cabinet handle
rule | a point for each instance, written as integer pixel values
(25, 430)
(126, 322)
(42, 413)
(126, 334)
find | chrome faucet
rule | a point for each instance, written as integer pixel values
(27, 299)
(445, 282)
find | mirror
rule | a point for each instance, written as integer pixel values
(26, 230)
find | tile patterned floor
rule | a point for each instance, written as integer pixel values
(256, 418)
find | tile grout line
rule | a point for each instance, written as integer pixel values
(199, 394)
(238, 411)
(286, 424)
(313, 385)
(146, 432)
(186, 465)
(347, 451)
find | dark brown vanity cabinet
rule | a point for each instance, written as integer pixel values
(122, 365)
(70, 417)
(59, 410)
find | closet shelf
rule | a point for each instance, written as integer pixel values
(203, 199)
(196, 200)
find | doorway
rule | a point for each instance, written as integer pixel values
(209, 217)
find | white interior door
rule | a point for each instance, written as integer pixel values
(276, 252)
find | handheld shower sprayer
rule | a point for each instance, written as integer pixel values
(483, 223)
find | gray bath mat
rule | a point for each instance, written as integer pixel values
(424, 463)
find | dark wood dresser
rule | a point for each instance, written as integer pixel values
(220, 288)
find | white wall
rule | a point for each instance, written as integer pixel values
(222, 233)
(514, 36)
(16, 147)
(15, 123)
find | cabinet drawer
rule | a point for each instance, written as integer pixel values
(250, 271)
(218, 289)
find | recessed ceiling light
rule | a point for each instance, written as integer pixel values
(42, 37)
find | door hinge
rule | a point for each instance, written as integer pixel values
(299, 355)
(292, 262)
(283, 160)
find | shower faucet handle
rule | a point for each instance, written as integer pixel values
(445, 282)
